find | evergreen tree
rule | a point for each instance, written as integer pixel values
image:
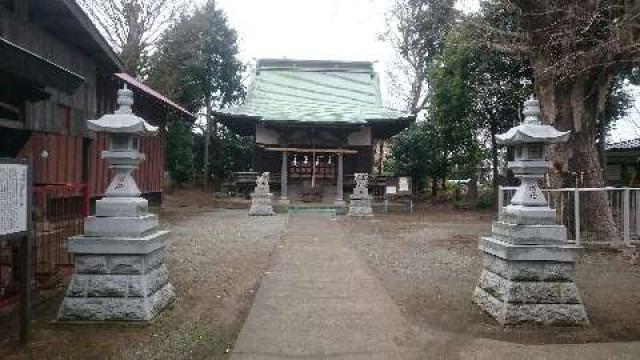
(197, 64)
(179, 152)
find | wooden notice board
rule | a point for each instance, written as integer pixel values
(15, 225)
(398, 190)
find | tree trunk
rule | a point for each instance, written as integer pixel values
(575, 104)
(602, 147)
(207, 143)
(434, 187)
(472, 188)
(131, 52)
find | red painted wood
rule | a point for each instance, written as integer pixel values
(64, 163)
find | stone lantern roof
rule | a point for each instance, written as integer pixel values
(123, 120)
(532, 130)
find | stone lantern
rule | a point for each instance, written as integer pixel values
(529, 265)
(120, 272)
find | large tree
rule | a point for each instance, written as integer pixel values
(197, 64)
(132, 27)
(576, 49)
(416, 31)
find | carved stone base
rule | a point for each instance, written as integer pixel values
(261, 205)
(360, 206)
(529, 284)
(125, 286)
(110, 308)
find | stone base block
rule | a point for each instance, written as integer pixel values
(541, 314)
(528, 215)
(100, 285)
(360, 207)
(528, 292)
(261, 205)
(122, 207)
(114, 245)
(530, 234)
(515, 252)
(78, 309)
(120, 226)
(529, 270)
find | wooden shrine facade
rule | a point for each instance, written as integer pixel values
(314, 122)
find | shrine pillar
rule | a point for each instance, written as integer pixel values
(340, 182)
(283, 178)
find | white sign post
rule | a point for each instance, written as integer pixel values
(15, 224)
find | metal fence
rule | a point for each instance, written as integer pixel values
(58, 212)
(624, 203)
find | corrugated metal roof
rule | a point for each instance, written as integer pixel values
(314, 91)
(148, 90)
(624, 145)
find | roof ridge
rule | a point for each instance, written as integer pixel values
(313, 65)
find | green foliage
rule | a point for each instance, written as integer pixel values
(198, 56)
(417, 30)
(417, 152)
(180, 152)
(474, 94)
(231, 152)
(451, 111)
(197, 65)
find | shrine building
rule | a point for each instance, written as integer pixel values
(315, 124)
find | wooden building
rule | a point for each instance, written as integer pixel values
(57, 72)
(623, 163)
(315, 123)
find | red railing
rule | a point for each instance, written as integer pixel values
(58, 212)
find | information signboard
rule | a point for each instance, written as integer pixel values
(15, 224)
(14, 201)
(403, 184)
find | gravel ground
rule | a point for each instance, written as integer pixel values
(429, 263)
(216, 259)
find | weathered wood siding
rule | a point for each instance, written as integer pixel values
(64, 163)
(59, 124)
(43, 115)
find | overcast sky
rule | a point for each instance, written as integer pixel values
(332, 30)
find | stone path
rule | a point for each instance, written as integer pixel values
(320, 300)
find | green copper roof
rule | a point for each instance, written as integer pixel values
(314, 91)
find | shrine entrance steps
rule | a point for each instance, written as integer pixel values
(318, 208)
(320, 300)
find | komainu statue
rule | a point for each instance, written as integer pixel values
(261, 197)
(360, 200)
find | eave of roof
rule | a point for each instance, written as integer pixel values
(151, 92)
(33, 67)
(632, 144)
(90, 27)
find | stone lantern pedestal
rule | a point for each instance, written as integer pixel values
(120, 272)
(529, 266)
(261, 197)
(360, 200)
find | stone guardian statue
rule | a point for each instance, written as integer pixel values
(261, 197)
(360, 200)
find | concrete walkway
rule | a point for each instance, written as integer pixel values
(320, 300)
